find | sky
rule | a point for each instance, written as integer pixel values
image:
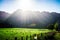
(35, 5)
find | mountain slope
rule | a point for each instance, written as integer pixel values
(34, 19)
(3, 17)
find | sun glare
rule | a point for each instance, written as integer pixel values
(25, 4)
(28, 13)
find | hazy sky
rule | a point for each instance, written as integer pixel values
(36, 5)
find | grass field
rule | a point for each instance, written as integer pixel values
(18, 33)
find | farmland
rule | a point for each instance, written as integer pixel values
(22, 33)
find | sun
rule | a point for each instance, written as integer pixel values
(25, 4)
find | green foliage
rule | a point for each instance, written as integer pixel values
(11, 33)
(26, 34)
(53, 26)
(56, 25)
(50, 26)
(57, 36)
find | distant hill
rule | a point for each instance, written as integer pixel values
(3, 17)
(34, 19)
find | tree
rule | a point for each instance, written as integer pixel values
(56, 26)
(50, 26)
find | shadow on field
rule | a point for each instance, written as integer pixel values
(40, 36)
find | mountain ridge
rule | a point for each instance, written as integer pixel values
(39, 19)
